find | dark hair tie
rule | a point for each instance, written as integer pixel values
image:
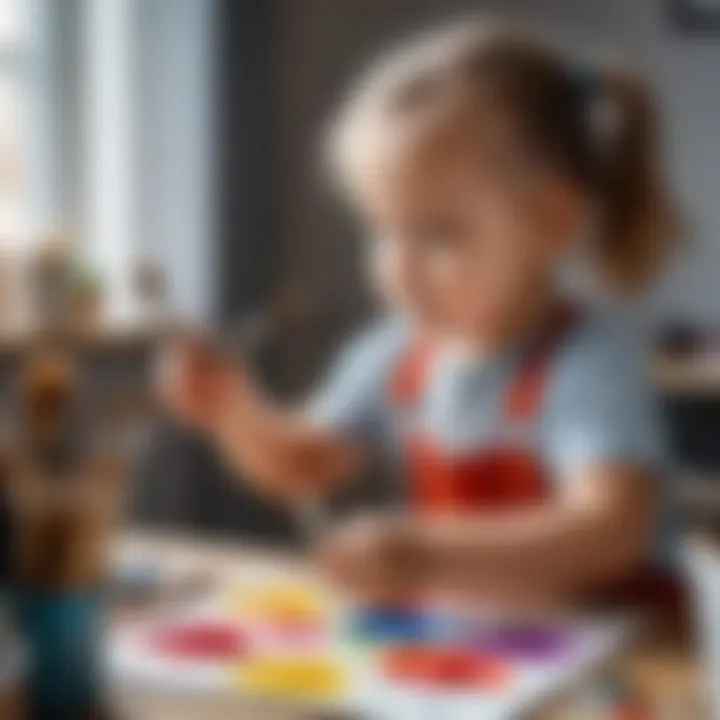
(599, 111)
(583, 83)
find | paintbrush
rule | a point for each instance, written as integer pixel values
(245, 337)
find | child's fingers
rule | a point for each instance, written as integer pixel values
(192, 378)
(378, 559)
(354, 558)
(336, 559)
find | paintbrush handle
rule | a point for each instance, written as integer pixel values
(312, 518)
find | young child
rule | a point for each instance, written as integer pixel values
(483, 163)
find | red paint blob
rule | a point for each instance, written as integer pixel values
(212, 641)
(631, 712)
(445, 668)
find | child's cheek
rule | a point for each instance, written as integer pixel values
(451, 291)
(397, 276)
(384, 273)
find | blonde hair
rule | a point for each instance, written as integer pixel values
(596, 126)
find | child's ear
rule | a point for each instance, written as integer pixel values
(9, 459)
(566, 208)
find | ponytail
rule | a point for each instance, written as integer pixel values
(613, 155)
(640, 223)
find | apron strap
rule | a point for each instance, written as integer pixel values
(410, 375)
(526, 393)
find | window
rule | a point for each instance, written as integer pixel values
(105, 135)
(16, 77)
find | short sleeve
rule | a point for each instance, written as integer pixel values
(600, 406)
(352, 397)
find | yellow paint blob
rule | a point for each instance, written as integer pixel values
(306, 678)
(289, 604)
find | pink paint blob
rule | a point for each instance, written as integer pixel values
(201, 640)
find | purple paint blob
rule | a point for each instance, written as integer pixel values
(529, 643)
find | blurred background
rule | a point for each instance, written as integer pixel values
(166, 150)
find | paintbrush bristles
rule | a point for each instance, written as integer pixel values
(48, 388)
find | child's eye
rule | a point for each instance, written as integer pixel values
(441, 233)
(440, 239)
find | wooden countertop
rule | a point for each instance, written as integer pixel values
(110, 336)
(689, 376)
(661, 665)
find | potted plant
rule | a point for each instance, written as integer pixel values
(85, 295)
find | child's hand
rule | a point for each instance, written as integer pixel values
(194, 379)
(380, 558)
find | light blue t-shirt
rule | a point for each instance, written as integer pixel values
(597, 404)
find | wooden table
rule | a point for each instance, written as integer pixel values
(661, 665)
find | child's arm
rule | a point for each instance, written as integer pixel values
(284, 449)
(290, 452)
(592, 535)
(595, 533)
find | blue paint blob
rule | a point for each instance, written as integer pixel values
(398, 625)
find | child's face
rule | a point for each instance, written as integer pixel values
(467, 246)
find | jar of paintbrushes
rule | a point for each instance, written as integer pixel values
(65, 501)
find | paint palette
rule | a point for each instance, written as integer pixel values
(295, 645)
